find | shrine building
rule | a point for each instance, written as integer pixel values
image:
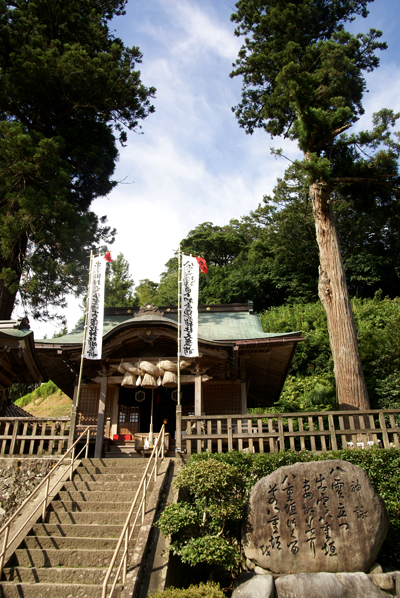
(238, 366)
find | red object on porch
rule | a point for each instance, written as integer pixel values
(122, 437)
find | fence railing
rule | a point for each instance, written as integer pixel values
(42, 504)
(33, 435)
(137, 509)
(272, 432)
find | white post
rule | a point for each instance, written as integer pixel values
(178, 433)
(151, 418)
(100, 418)
(198, 398)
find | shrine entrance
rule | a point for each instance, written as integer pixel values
(128, 419)
(134, 416)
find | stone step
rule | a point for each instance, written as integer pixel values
(60, 543)
(56, 575)
(86, 518)
(110, 463)
(121, 455)
(76, 531)
(105, 486)
(52, 557)
(107, 477)
(122, 467)
(52, 590)
(96, 496)
(68, 506)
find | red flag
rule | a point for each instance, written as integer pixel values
(202, 264)
(107, 257)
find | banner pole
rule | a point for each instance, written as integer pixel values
(75, 406)
(178, 433)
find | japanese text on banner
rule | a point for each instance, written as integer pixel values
(94, 333)
(190, 297)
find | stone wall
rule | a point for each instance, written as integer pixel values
(18, 478)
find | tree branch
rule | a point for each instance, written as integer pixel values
(331, 136)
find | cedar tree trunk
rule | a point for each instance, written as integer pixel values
(332, 289)
(14, 262)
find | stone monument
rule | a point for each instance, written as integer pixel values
(312, 517)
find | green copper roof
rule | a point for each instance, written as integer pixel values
(15, 333)
(221, 326)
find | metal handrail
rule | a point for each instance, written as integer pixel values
(43, 502)
(128, 529)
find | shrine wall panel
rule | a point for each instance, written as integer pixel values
(221, 399)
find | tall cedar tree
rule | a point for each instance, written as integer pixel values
(303, 79)
(68, 90)
(119, 284)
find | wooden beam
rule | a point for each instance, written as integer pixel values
(100, 418)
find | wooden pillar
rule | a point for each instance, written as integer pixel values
(115, 412)
(198, 397)
(74, 415)
(243, 386)
(100, 418)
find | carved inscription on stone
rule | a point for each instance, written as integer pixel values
(319, 516)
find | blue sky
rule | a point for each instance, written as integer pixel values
(193, 163)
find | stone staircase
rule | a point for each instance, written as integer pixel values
(126, 448)
(68, 554)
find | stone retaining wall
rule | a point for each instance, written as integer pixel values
(18, 478)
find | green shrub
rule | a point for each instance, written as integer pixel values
(208, 590)
(205, 528)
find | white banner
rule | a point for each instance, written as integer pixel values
(190, 298)
(94, 332)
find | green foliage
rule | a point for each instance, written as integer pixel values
(208, 590)
(312, 393)
(304, 81)
(118, 290)
(42, 392)
(205, 528)
(68, 89)
(377, 323)
(208, 549)
(381, 465)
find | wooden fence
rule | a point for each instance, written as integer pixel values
(272, 432)
(33, 436)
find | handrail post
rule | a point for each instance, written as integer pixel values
(87, 443)
(125, 565)
(3, 556)
(46, 494)
(144, 500)
(72, 464)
